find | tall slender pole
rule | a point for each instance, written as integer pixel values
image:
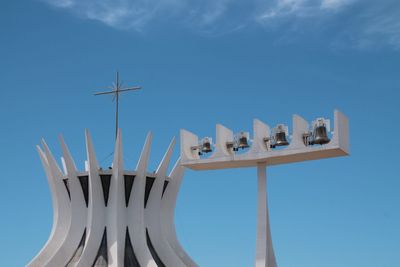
(265, 256)
(117, 106)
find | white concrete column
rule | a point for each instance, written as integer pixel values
(61, 206)
(78, 213)
(96, 210)
(168, 213)
(135, 217)
(264, 251)
(116, 213)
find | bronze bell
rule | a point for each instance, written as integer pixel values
(280, 139)
(243, 142)
(206, 146)
(279, 136)
(320, 135)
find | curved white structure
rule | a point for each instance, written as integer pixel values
(112, 217)
(61, 206)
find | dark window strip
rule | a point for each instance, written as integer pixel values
(165, 187)
(84, 180)
(153, 251)
(67, 187)
(130, 259)
(78, 252)
(149, 185)
(105, 183)
(101, 259)
(129, 179)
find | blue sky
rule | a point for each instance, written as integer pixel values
(202, 63)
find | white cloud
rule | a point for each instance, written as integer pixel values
(214, 12)
(283, 8)
(335, 4)
(382, 30)
(373, 25)
(63, 3)
(122, 14)
(301, 8)
(367, 22)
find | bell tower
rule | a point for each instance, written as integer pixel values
(268, 148)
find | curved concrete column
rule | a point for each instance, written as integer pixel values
(78, 213)
(153, 215)
(61, 207)
(168, 213)
(96, 210)
(136, 223)
(116, 215)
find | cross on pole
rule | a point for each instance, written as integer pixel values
(116, 89)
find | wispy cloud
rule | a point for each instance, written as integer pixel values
(362, 23)
(121, 14)
(335, 4)
(301, 9)
(62, 3)
(369, 25)
(382, 26)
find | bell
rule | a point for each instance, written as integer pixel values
(206, 146)
(280, 139)
(320, 135)
(243, 142)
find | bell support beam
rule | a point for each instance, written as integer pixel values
(190, 140)
(261, 133)
(223, 135)
(300, 126)
(265, 256)
(296, 152)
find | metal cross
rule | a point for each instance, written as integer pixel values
(116, 89)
